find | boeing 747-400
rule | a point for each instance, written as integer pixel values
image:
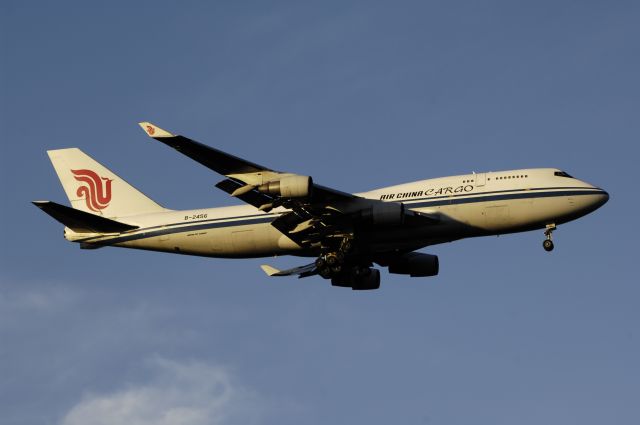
(346, 234)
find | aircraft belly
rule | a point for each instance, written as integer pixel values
(245, 241)
(452, 226)
(516, 215)
(489, 218)
(258, 240)
(520, 214)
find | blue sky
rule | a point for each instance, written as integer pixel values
(359, 95)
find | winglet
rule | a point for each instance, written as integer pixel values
(270, 271)
(154, 131)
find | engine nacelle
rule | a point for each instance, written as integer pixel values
(292, 186)
(367, 281)
(384, 213)
(358, 279)
(416, 264)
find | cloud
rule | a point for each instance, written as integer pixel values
(188, 393)
(34, 296)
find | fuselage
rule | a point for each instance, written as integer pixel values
(478, 204)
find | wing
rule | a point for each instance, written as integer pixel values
(302, 271)
(318, 216)
(220, 162)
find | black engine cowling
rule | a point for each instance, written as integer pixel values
(368, 281)
(384, 214)
(358, 279)
(415, 264)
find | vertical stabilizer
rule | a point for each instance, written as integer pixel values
(93, 188)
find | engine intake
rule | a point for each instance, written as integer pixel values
(416, 264)
(292, 186)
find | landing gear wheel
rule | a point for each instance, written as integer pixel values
(325, 272)
(331, 259)
(548, 243)
(330, 264)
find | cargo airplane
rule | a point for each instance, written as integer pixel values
(347, 234)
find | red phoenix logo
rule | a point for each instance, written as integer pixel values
(96, 190)
(150, 130)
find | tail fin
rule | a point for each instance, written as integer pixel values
(95, 189)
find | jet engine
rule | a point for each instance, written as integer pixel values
(291, 186)
(384, 213)
(415, 264)
(368, 281)
(358, 279)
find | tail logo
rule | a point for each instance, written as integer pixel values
(150, 130)
(95, 190)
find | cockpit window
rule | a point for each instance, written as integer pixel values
(562, 174)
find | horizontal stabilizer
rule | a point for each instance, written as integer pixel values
(303, 271)
(270, 271)
(80, 221)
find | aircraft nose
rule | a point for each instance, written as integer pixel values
(601, 198)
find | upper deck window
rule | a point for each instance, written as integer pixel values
(562, 174)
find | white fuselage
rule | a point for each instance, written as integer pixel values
(466, 206)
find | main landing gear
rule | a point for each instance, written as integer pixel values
(343, 269)
(548, 243)
(332, 262)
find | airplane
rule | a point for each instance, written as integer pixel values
(290, 214)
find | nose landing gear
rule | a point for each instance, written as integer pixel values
(548, 243)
